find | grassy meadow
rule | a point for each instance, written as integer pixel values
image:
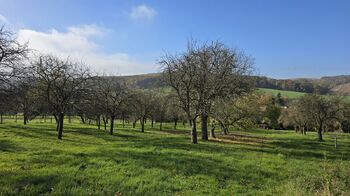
(289, 94)
(91, 162)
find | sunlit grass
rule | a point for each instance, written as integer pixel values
(289, 94)
(88, 161)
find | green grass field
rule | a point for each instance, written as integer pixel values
(92, 162)
(289, 94)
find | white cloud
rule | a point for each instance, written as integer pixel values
(77, 43)
(143, 12)
(3, 19)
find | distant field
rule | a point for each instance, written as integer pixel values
(289, 94)
(92, 162)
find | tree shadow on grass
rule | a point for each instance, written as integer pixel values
(8, 146)
(186, 164)
(102, 134)
(31, 131)
(313, 148)
(293, 148)
(27, 183)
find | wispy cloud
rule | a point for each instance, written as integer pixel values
(3, 19)
(77, 42)
(143, 13)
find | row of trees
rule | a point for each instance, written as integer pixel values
(199, 78)
(209, 81)
(315, 112)
(300, 85)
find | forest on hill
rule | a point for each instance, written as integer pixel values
(339, 85)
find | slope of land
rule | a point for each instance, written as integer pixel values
(92, 162)
(291, 94)
(343, 89)
(288, 94)
(324, 85)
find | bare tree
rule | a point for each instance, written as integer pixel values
(62, 82)
(204, 73)
(112, 94)
(160, 105)
(6, 101)
(174, 111)
(221, 72)
(11, 54)
(240, 113)
(28, 98)
(345, 122)
(296, 115)
(321, 111)
(90, 106)
(179, 71)
(141, 104)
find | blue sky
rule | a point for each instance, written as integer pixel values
(288, 39)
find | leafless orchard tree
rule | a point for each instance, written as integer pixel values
(27, 97)
(321, 112)
(180, 73)
(240, 112)
(203, 74)
(174, 111)
(141, 104)
(62, 82)
(112, 95)
(11, 55)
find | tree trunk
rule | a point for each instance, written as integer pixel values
(60, 125)
(123, 118)
(69, 119)
(1, 119)
(152, 122)
(16, 118)
(319, 132)
(134, 124)
(57, 125)
(194, 131)
(223, 128)
(161, 125)
(98, 122)
(204, 123)
(212, 132)
(175, 124)
(226, 130)
(24, 119)
(143, 124)
(82, 119)
(104, 122)
(320, 138)
(112, 125)
(56, 119)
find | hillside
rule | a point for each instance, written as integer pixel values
(325, 85)
(343, 89)
(144, 81)
(289, 94)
